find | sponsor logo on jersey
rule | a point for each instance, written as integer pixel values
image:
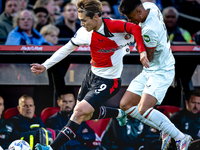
(146, 38)
(114, 49)
(100, 40)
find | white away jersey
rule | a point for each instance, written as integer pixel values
(155, 36)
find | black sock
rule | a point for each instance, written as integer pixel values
(105, 112)
(67, 133)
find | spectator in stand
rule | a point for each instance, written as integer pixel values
(69, 25)
(175, 33)
(6, 128)
(23, 4)
(49, 5)
(24, 33)
(188, 119)
(42, 16)
(189, 14)
(23, 121)
(106, 9)
(50, 33)
(66, 102)
(6, 24)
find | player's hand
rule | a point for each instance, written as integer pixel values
(37, 68)
(144, 60)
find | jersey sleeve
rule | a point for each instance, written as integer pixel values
(81, 37)
(150, 38)
(59, 55)
(136, 31)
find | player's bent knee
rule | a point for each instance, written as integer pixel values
(125, 106)
(142, 110)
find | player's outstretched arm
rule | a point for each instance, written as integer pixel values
(37, 68)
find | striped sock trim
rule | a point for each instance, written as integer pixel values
(132, 111)
(146, 116)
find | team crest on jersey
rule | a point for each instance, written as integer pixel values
(75, 35)
(127, 36)
(146, 38)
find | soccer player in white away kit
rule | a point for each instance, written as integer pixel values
(109, 41)
(150, 86)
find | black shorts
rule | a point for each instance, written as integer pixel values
(97, 90)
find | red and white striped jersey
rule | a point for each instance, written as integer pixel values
(108, 45)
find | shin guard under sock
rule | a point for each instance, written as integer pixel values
(67, 133)
(105, 112)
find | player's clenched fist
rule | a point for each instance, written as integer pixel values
(37, 68)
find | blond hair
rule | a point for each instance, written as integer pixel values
(48, 29)
(41, 3)
(105, 3)
(16, 18)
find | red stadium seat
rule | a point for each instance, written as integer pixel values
(47, 112)
(168, 110)
(53, 133)
(99, 127)
(10, 112)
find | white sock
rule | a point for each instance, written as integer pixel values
(133, 112)
(180, 136)
(163, 122)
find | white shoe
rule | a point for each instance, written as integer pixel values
(166, 140)
(184, 143)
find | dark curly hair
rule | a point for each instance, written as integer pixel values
(127, 6)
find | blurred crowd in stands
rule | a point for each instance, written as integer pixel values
(54, 22)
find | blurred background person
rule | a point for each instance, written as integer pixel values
(41, 14)
(49, 5)
(23, 121)
(175, 33)
(67, 102)
(188, 14)
(6, 128)
(69, 25)
(188, 119)
(50, 33)
(23, 4)
(24, 32)
(106, 9)
(6, 24)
